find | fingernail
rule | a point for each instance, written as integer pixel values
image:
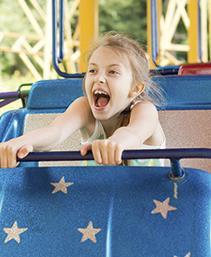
(22, 154)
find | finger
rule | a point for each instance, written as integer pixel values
(3, 157)
(96, 151)
(118, 154)
(11, 157)
(85, 148)
(111, 153)
(1, 154)
(104, 149)
(24, 151)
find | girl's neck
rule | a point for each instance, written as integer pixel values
(112, 124)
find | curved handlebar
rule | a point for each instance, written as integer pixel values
(154, 31)
(174, 154)
(58, 59)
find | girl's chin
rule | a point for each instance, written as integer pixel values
(101, 114)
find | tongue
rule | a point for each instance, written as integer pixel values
(102, 101)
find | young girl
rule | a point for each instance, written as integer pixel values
(117, 112)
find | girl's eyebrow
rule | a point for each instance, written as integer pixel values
(110, 65)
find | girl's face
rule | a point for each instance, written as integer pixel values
(108, 83)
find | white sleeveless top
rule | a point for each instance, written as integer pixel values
(99, 133)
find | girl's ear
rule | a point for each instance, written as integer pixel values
(137, 90)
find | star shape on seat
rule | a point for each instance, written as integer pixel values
(89, 232)
(187, 255)
(61, 186)
(14, 232)
(163, 207)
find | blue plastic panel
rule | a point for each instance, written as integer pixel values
(182, 92)
(11, 124)
(186, 92)
(47, 96)
(104, 211)
(54, 94)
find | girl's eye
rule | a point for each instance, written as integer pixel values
(114, 72)
(92, 71)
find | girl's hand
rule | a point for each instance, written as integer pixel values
(9, 151)
(104, 151)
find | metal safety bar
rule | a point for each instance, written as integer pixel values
(155, 34)
(11, 96)
(8, 97)
(61, 31)
(58, 24)
(174, 154)
(154, 31)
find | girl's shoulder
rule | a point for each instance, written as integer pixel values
(83, 101)
(136, 112)
(144, 107)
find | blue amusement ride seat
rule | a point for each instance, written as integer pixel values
(109, 211)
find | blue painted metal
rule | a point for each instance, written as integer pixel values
(7, 101)
(154, 31)
(8, 97)
(118, 200)
(61, 31)
(55, 58)
(165, 70)
(176, 170)
(11, 96)
(173, 154)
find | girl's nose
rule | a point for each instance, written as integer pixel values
(101, 79)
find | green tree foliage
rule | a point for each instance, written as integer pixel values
(13, 21)
(124, 16)
(127, 16)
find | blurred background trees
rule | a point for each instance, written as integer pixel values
(119, 15)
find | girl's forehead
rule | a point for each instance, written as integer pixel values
(108, 56)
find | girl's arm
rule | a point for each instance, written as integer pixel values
(143, 123)
(46, 138)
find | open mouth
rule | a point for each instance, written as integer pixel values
(101, 98)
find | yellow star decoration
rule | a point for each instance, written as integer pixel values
(61, 186)
(89, 232)
(14, 233)
(163, 207)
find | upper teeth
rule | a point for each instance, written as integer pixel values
(98, 91)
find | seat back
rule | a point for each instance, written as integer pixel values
(186, 117)
(44, 107)
(105, 211)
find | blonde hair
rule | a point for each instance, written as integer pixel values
(138, 61)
